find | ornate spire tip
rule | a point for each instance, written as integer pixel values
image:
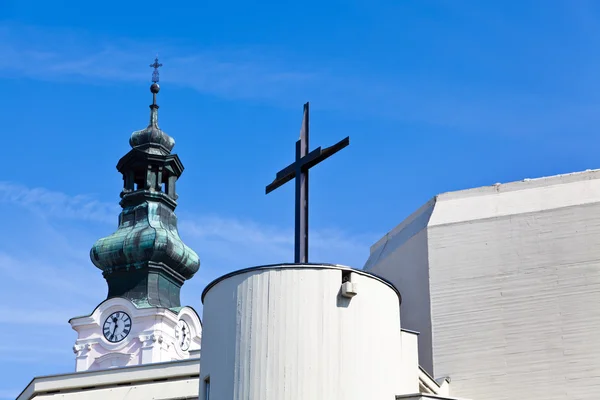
(156, 66)
(154, 88)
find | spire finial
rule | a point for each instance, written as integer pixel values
(156, 66)
(154, 88)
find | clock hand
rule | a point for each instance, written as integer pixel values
(183, 336)
(115, 327)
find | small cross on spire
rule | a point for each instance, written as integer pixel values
(155, 65)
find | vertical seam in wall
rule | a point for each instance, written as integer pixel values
(429, 308)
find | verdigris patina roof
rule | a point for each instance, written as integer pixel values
(145, 260)
(152, 137)
(147, 233)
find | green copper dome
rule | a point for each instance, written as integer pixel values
(145, 260)
(147, 233)
(152, 136)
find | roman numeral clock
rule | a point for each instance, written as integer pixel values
(117, 326)
(120, 333)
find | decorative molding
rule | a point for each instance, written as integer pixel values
(111, 360)
(152, 337)
(149, 339)
(79, 348)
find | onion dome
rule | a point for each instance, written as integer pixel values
(145, 260)
(152, 137)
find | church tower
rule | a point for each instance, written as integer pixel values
(145, 264)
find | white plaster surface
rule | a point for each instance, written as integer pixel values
(183, 389)
(513, 296)
(287, 333)
(152, 337)
(165, 381)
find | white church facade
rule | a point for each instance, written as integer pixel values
(488, 293)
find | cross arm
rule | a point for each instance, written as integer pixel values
(289, 172)
(282, 177)
(306, 162)
(325, 153)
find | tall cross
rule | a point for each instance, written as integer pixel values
(156, 66)
(299, 171)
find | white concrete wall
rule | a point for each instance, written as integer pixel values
(410, 362)
(515, 303)
(514, 283)
(286, 333)
(405, 264)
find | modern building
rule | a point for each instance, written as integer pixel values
(308, 331)
(503, 284)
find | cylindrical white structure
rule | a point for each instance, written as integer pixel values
(299, 332)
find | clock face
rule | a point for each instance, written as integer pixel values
(116, 327)
(183, 335)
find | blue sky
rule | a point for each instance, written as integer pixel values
(435, 95)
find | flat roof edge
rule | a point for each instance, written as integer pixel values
(30, 390)
(300, 266)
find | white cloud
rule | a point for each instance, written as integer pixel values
(47, 267)
(69, 55)
(269, 75)
(243, 243)
(56, 204)
(33, 272)
(40, 315)
(229, 242)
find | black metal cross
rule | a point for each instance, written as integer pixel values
(299, 170)
(155, 65)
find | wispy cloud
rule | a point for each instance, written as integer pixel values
(35, 316)
(66, 55)
(39, 352)
(230, 240)
(34, 272)
(269, 75)
(56, 204)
